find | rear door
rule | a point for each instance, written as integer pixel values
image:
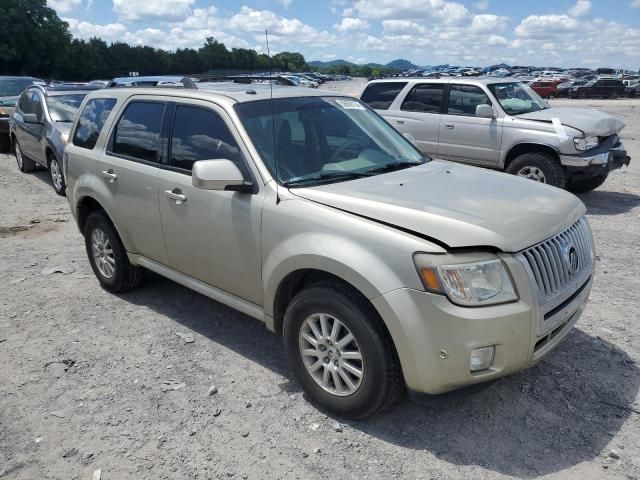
(129, 170)
(465, 137)
(419, 116)
(213, 236)
(36, 131)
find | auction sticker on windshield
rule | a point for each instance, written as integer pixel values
(349, 104)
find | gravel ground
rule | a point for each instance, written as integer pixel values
(121, 383)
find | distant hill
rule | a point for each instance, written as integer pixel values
(399, 64)
(332, 63)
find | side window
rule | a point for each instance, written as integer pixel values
(137, 134)
(424, 98)
(380, 96)
(91, 121)
(463, 100)
(200, 134)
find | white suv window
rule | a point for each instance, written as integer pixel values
(137, 134)
(463, 100)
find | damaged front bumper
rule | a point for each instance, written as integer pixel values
(609, 155)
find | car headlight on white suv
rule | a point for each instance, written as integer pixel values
(471, 284)
(586, 143)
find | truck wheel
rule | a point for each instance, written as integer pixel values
(107, 255)
(538, 166)
(340, 352)
(55, 172)
(587, 185)
(25, 164)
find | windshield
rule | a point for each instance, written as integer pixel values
(13, 87)
(63, 108)
(517, 98)
(324, 139)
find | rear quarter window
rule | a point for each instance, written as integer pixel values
(92, 119)
(381, 95)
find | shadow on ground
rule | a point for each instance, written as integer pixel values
(600, 202)
(556, 415)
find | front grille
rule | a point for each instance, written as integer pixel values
(553, 262)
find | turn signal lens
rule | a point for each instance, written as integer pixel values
(431, 280)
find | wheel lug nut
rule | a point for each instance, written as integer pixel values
(335, 363)
(326, 360)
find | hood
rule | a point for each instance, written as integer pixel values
(456, 205)
(8, 101)
(590, 122)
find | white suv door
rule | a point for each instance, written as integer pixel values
(213, 236)
(418, 114)
(464, 137)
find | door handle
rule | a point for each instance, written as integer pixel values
(109, 175)
(449, 125)
(176, 195)
(400, 122)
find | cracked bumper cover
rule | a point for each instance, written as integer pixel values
(607, 157)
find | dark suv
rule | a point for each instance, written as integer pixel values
(40, 128)
(10, 88)
(599, 88)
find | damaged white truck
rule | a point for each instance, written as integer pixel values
(504, 125)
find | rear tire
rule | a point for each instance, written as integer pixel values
(380, 382)
(538, 166)
(107, 255)
(57, 178)
(26, 165)
(587, 185)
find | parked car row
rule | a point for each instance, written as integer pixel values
(383, 269)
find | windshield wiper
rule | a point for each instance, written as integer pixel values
(390, 167)
(321, 177)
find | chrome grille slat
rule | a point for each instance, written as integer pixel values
(548, 264)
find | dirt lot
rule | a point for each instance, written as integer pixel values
(90, 380)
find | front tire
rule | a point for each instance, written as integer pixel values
(26, 165)
(538, 166)
(587, 185)
(57, 178)
(107, 255)
(340, 352)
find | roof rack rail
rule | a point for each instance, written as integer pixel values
(246, 79)
(189, 83)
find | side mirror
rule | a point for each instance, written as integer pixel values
(30, 118)
(218, 175)
(485, 111)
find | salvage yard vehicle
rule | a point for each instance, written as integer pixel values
(545, 88)
(40, 128)
(381, 268)
(599, 88)
(10, 88)
(504, 125)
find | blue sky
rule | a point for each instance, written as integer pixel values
(589, 33)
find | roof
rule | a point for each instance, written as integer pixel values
(469, 80)
(233, 92)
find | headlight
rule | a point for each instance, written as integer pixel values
(64, 137)
(471, 284)
(4, 112)
(587, 143)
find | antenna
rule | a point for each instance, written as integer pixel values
(273, 117)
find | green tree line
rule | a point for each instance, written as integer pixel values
(35, 41)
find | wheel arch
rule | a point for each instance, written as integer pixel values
(530, 147)
(86, 206)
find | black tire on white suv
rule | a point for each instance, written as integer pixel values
(538, 166)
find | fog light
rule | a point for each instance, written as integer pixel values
(481, 358)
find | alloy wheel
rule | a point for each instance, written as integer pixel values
(532, 173)
(19, 155)
(56, 174)
(103, 253)
(331, 354)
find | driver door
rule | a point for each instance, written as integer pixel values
(463, 136)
